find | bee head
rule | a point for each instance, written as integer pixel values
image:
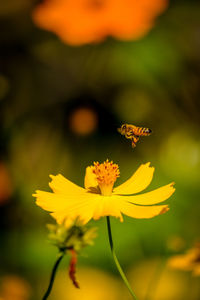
(122, 129)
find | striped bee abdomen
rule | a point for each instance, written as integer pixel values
(142, 131)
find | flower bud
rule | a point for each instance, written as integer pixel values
(75, 237)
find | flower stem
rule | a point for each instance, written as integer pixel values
(53, 274)
(123, 276)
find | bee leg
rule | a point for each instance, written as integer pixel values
(133, 144)
(134, 140)
(129, 135)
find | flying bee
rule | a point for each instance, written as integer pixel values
(133, 132)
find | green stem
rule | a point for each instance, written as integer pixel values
(123, 276)
(53, 274)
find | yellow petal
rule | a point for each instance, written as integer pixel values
(61, 185)
(81, 211)
(142, 212)
(50, 201)
(90, 181)
(94, 208)
(137, 182)
(56, 202)
(106, 206)
(156, 196)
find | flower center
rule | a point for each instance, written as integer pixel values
(106, 175)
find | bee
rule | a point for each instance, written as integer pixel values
(133, 132)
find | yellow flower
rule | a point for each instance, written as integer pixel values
(190, 261)
(98, 199)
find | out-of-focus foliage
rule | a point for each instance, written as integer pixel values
(46, 90)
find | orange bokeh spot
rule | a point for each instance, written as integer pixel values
(14, 287)
(79, 22)
(83, 121)
(6, 187)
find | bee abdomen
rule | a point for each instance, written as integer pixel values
(142, 131)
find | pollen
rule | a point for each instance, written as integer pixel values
(106, 175)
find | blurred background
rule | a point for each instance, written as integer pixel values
(60, 107)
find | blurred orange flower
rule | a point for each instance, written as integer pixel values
(79, 22)
(190, 261)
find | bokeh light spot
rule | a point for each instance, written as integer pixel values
(5, 184)
(180, 155)
(94, 285)
(83, 121)
(169, 285)
(13, 287)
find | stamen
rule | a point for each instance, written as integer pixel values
(106, 174)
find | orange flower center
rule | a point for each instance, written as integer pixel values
(106, 175)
